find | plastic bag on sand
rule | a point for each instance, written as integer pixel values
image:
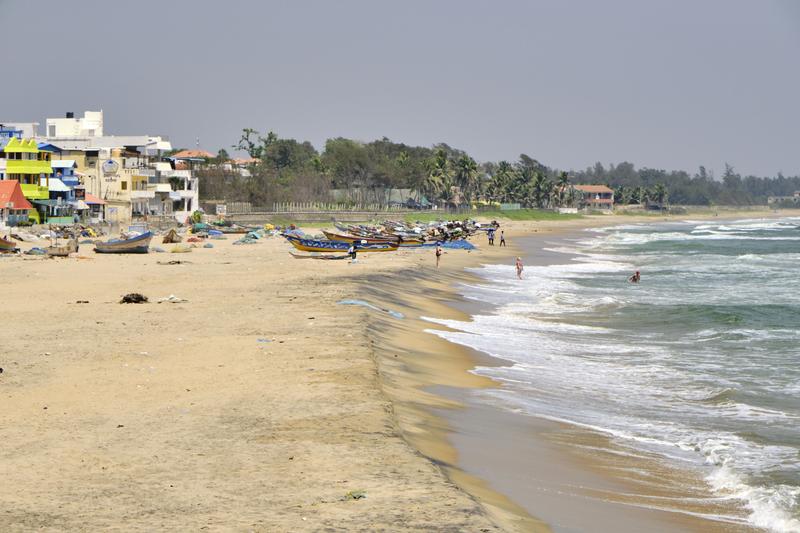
(181, 249)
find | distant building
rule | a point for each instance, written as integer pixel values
(193, 154)
(595, 197)
(25, 163)
(25, 130)
(91, 125)
(794, 199)
(14, 207)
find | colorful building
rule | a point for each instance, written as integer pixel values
(28, 165)
(14, 207)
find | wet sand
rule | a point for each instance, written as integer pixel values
(520, 466)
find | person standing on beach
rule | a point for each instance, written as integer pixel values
(438, 253)
(520, 268)
(502, 237)
(353, 252)
(490, 234)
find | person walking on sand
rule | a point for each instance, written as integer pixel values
(502, 237)
(490, 234)
(520, 268)
(438, 253)
(635, 278)
(353, 251)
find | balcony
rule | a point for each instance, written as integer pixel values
(143, 194)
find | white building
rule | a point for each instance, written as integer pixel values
(91, 125)
(28, 129)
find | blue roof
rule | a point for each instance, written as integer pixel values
(47, 147)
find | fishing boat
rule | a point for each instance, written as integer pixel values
(132, 245)
(7, 245)
(310, 245)
(355, 238)
(63, 251)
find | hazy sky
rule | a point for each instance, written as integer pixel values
(667, 84)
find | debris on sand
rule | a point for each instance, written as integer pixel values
(172, 299)
(355, 495)
(134, 298)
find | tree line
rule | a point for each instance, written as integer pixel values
(285, 169)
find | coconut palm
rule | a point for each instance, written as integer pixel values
(466, 176)
(562, 188)
(439, 180)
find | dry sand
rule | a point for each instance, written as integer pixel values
(180, 417)
(257, 405)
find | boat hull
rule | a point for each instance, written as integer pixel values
(355, 238)
(7, 246)
(63, 251)
(136, 245)
(309, 245)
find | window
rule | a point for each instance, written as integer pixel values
(123, 185)
(51, 130)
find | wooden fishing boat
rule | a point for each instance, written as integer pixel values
(355, 238)
(310, 245)
(7, 245)
(133, 245)
(63, 251)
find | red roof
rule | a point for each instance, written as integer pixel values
(193, 154)
(593, 188)
(245, 161)
(11, 192)
(92, 199)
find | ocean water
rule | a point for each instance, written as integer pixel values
(699, 363)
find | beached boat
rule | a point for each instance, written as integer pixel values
(133, 245)
(310, 245)
(355, 238)
(7, 245)
(63, 251)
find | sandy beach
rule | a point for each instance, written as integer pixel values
(259, 403)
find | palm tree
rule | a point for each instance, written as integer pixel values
(466, 176)
(642, 195)
(439, 179)
(562, 187)
(498, 187)
(660, 194)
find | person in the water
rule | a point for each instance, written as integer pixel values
(635, 278)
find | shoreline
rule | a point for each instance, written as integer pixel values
(258, 403)
(435, 420)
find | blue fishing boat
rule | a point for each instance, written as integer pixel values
(132, 245)
(310, 245)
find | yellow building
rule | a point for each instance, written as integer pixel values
(28, 165)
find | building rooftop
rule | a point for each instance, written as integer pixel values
(11, 193)
(593, 188)
(21, 146)
(193, 154)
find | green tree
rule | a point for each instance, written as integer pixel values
(466, 176)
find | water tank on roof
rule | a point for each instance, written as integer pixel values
(70, 114)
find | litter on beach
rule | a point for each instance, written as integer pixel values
(395, 314)
(172, 299)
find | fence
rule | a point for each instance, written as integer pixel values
(315, 207)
